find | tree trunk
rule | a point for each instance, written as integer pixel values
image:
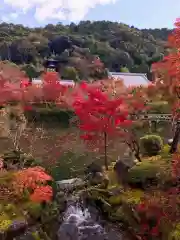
(174, 144)
(4, 122)
(135, 146)
(137, 155)
(105, 151)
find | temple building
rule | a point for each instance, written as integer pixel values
(130, 79)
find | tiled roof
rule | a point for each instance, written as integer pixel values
(63, 82)
(131, 79)
(36, 81)
(67, 82)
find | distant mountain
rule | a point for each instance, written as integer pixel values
(161, 34)
(118, 45)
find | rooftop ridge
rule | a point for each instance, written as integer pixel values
(128, 74)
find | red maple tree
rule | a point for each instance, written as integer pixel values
(135, 99)
(168, 78)
(100, 117)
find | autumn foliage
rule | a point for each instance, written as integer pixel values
(35, 181)
(32, 181)
(104, 115)
(100, 117)
(159, 211)
(168, 71)
(159, 214)
(52, 89)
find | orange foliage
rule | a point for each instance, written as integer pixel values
(33, 179)
(42, 193)
(11, 73)
(168, 70)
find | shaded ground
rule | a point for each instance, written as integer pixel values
(62, 147)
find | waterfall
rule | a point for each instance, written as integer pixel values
(79, 225)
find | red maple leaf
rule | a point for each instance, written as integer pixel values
(100, 117)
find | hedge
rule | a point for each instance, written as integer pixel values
(50, 115)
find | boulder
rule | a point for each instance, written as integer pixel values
(68, 231)
(69, 185)
(29, 234)
(17, 228)
(170, 141)
(61, 200)
(93, 168)
(121, 170)
(128, 158)
(99, 178)
(95, 175)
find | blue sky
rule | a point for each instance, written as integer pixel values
(139, 13)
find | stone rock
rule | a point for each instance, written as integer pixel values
(28, 235)
(61, 200)
(93, 168)
(17, 228)
(170, 141)
(69, 185)
(121, 170)
(60, 194)
(115, 191)
(18, 225)
(128, 158)
(92, 232)
(95, 175)
(68, 231)
(99, 178)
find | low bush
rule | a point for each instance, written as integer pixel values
(151, 171)
(49, 115)
(70, 165)
(151, 145)
(130, 196)
(159, 215)
(150, 213)
(18, 160)
(165, 152)
(23, 195)
(160, 107)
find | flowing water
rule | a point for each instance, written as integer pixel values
(80, 224)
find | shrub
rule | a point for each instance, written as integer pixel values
(70, 165)
(18, 160)
(50, 115)
(165, 152)
(175, 234)
(159, 107)
(112, 176)
(149, 172)
(151, 145)
(159, 215)
(129, 197)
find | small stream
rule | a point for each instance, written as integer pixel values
(80, 224)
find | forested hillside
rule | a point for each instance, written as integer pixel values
(118, 45)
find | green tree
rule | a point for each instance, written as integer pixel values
(70, 73)
(124, 69)
(30, 70)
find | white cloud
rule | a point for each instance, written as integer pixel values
(9, 17)
(13, 15)
(5, 19)
(72, 10)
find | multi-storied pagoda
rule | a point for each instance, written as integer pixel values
(51, 65)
